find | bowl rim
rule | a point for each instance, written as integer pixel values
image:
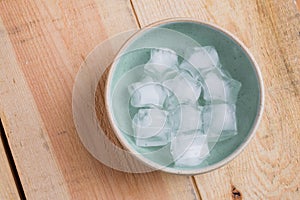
(218, 164)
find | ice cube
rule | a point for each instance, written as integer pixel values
(220, 88)
(189, 149)
(164, 56)
(219, 121)
(162, 65)
(171, 103)
(202, 57)
(184, 88)
(151, 127)
(149, 94)
(194, 73)
(145, 80)
(198, 59)
(187, 118)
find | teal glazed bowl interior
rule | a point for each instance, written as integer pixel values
(177, 35)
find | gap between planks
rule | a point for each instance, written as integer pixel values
(55, 139)
(11, 161)
(135, 15)
(197, 191)
(192, 178)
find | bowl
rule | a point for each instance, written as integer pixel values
(178, 34)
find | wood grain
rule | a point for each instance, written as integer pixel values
(25, 130)
(8, 188)
(44, 44)
(297, 2)
(269, 167)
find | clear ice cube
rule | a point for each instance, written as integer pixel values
(187, 118)
(151, 127)
(189, 149)
(164, 56)
(220, 88)
(163, 64)
(219, 121)
(194, 73)
(198, 59)
(184, 88)
(171, 103)
(149, 94)
(144, 81)
(202, 57)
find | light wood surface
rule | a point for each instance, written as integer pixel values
(42, 45)
(26, 133)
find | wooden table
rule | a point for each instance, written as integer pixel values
(43, 43)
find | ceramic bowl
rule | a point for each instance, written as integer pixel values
(178, 34)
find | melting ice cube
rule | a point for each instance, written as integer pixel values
(147, 94)
(198, 59)
(144, 81)
(164, 56)
(220, 88)
(187, 118)
(151, 127)
(189, 149)
(202, 57)
(162, 65)
(184, 88)
(171, 103)
(219, 121)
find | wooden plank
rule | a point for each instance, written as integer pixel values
(8, 188)
(44, 45)
(268, 168)
(297, 2)
(25, 130)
